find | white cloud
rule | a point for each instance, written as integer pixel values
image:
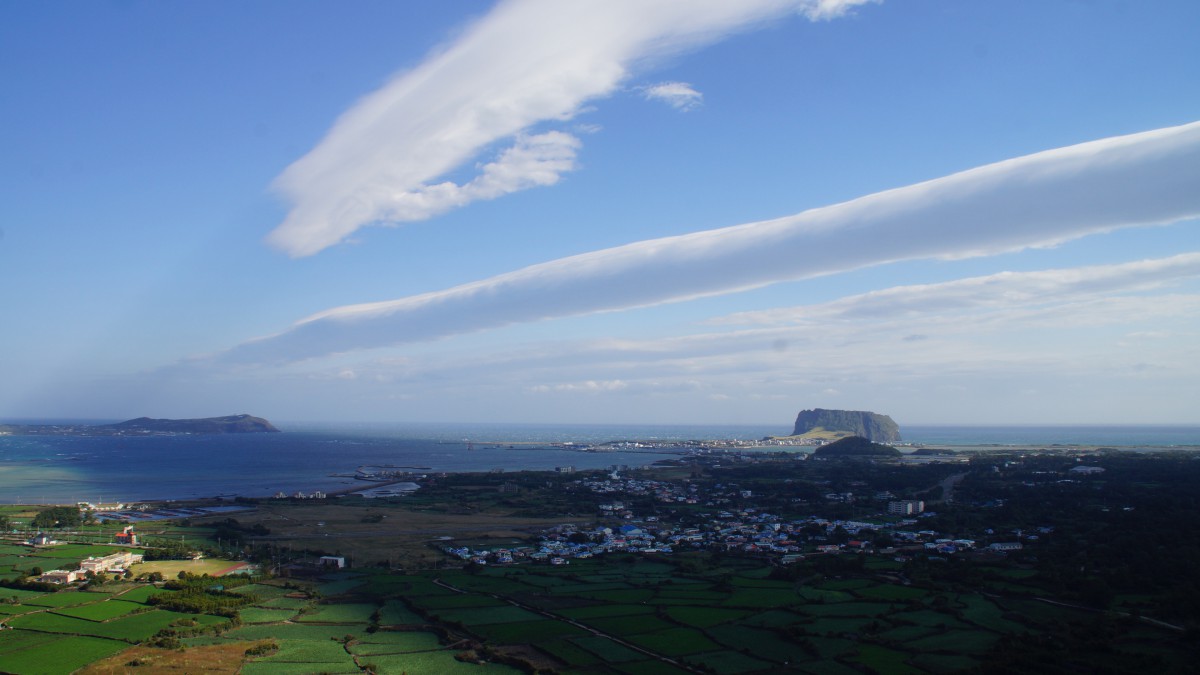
(1006, 289)
(678, 95)
(526, 62)
(1036, 200)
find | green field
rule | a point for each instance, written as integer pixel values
(28, 653)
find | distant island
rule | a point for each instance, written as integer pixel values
(146, 426)
(834, 424)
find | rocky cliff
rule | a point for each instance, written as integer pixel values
(871, 426)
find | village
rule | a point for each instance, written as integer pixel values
(745, 529)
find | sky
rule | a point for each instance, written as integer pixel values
(609, 211)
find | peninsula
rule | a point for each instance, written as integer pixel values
(145, 426)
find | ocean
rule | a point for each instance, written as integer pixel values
(306, 457)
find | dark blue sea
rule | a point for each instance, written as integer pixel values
(306, 457)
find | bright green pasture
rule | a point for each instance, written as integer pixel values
(309, 651)
(347, 613)
(101, 611)
(140, 594)
(66, 599)
(21, 594)
(43, 654)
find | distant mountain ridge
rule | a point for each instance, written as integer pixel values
(145, 426)
(871, 426)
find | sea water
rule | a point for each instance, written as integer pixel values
(307, 457)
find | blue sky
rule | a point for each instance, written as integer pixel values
(521, 211)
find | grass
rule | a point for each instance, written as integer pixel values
(396, 613)
(347, 613)
(101, 611)
(628, 625)
(263, 615)
(704, 617)
(607, 650)
(675, 642)
(396, 643)
(56, 654)
(488, 615)
(969, 641)
(293, 631)
(729, 662)
(426, 663)
(883, 660)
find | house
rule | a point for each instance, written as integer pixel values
(331, 561)
(1086, 470)
(126, 536)
(42, 539)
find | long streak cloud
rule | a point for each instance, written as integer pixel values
(1042, 199)
(527, 62)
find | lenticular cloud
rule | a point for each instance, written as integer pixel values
(527, 62)
(1037, 200)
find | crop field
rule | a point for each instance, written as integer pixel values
(395, 612)
(675, 642)
(264, 615)
(101, 611)
(528, 631)
(293, 631)
(396, 643)
(487, 615)
(286, 603)
(729, 662)
(430, 663)
(54, 655)
(140, 594)
(347, 613)
(65, 599)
